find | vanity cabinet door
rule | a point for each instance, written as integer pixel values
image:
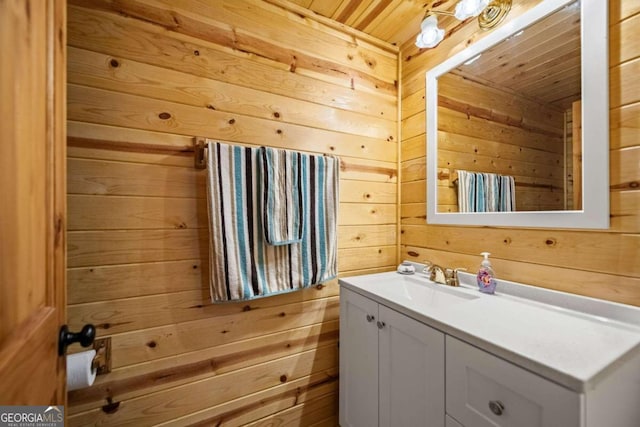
(411, 372)
(358, 360)
(450, 422)
(484, 390)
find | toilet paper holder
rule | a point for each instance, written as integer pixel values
(102, 361)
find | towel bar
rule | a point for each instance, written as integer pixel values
(199, 145)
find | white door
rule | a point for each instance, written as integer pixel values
(411, 372)
(358, 360)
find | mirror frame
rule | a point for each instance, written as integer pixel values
(595, 124)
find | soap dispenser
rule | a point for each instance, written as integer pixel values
(486, 276)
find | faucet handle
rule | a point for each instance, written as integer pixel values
(453, 278)
(427, 267)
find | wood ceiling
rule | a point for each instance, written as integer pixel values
(394, 21)
(542, 63)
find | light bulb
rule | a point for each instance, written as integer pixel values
(430, 35)
(468, 8)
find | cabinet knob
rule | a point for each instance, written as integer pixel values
(370, 318)
(496, 407)
(381, 324)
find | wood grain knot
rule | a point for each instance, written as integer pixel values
(152, 344)
(332, 148)
(246, 308)
(550, 242)
(276, 115)
(279, 131)
(283, 378)
(111, 406)
(196, 52)
(59, 228)
(413, 254)
(195, 266)
(282, 314)
(232, 121)
(164, 116)
(114, 63)
(634, 184)
(319, 286)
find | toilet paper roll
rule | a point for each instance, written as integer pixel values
(79, 372)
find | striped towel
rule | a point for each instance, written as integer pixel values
(243, 265)
(466, 191)
(485, 192)
(507, 194)
(282, 195)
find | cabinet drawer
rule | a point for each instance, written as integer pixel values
(450, 422)
(484, 390)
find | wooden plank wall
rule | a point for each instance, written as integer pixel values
(602, 264)
(478, 126)
(143, 78)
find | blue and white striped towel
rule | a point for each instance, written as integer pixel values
(282, 195)
(243, 265)
(485, 192)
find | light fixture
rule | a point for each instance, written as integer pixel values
(489, 12)
(494, 13)
(468, 8)
(430, 35)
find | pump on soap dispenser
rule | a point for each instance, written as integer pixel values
(486, 276)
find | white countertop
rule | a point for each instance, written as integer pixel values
(574, 342)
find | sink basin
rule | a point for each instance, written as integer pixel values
(414, 291)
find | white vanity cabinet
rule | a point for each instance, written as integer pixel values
(485, 391)
(391, 367)
(414, 353)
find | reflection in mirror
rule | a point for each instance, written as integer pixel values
(505, 124)
(509, 112)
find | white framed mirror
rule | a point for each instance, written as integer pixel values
(525, 112)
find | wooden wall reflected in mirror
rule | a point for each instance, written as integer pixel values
(514, 103)
(510, 112)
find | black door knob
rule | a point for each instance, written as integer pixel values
(85, 337)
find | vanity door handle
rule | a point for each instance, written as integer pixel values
(381, 324)
(496, 407)
(370, 318)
